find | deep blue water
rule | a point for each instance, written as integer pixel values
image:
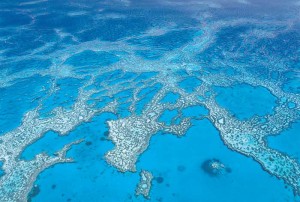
(20, 97)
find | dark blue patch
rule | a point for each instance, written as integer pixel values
(92, 59)
(19, 98)
(190, 84)
(159, 180)
(123, 96)
(292, 85)
(33, 193)
(33, 64)
(147, 95)
(13, 18)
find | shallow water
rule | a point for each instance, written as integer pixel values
(175, 100)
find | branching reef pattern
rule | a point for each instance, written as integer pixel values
(133, 76)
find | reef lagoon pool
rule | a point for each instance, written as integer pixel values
(165, 101)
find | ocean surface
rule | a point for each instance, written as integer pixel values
(161, 100)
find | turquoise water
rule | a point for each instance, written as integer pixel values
(185, 156)
(177, 100)
(185, 180)
(245, 101)
(1, 171)
(287, 141)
